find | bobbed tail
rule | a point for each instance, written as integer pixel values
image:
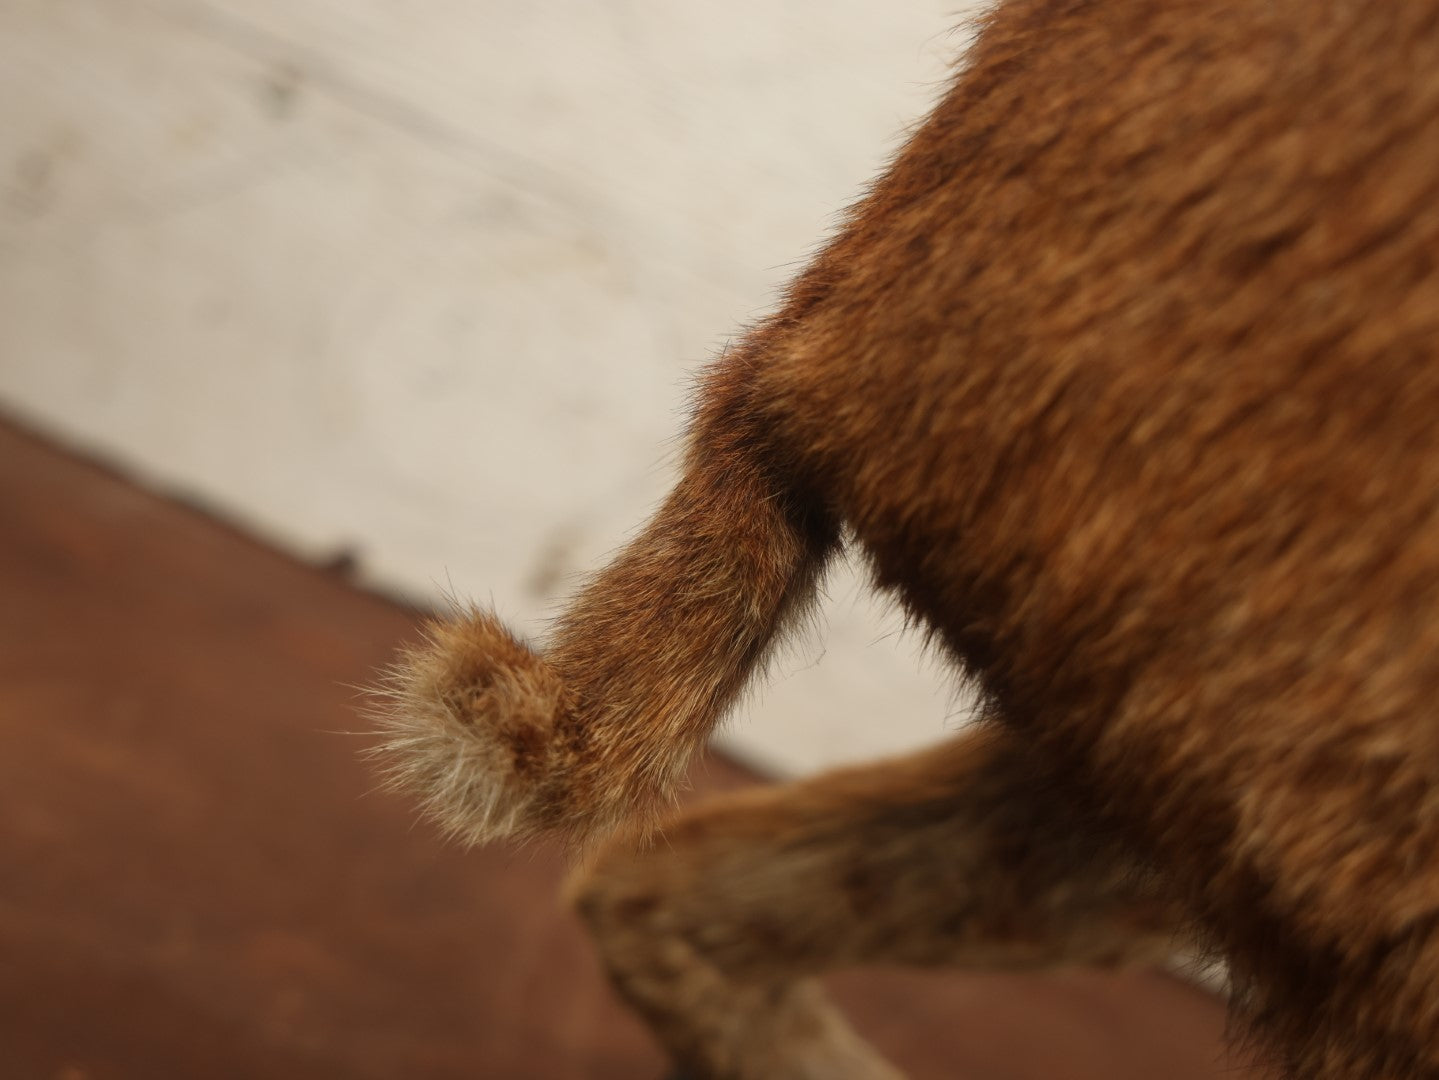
(497, 739)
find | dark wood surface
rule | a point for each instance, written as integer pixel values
(198, 878)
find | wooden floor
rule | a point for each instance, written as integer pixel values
(197, 878)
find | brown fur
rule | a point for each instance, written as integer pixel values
(1125, 377)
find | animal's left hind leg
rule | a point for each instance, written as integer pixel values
(957, 856)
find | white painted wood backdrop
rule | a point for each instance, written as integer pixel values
(426, 278)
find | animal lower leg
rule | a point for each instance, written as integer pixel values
(956, 856)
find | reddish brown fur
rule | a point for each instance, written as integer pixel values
(1124, 377)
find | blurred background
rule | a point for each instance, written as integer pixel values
(312, 314)
(421, 286)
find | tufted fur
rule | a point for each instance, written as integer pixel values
(1125, 378)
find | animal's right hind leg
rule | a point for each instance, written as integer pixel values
(956, 856)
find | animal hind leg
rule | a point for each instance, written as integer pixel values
(955, 856)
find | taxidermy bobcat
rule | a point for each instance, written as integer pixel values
(1125, 380)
